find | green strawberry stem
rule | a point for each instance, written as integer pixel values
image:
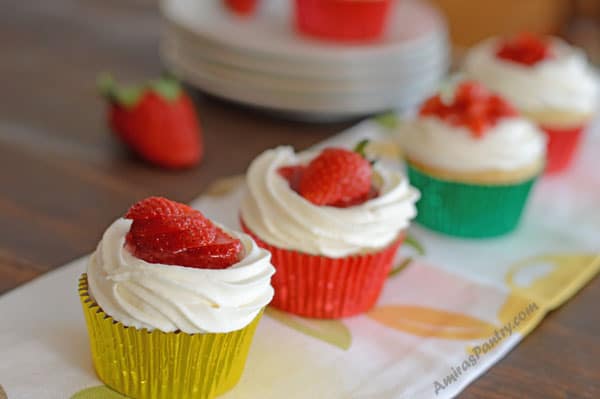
(127, 96)
(165, 74)
(167, 87)
(360, 148)
(106, 85)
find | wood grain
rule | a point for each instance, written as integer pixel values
(64, 178)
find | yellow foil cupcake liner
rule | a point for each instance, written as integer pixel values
(146, 364)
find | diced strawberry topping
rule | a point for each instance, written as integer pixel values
(473, 107)
(525, 48)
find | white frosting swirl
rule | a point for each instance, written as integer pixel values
(565, 82)
(511, 144)
(283, 218)
(171, 298)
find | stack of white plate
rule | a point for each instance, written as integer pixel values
(261, 61)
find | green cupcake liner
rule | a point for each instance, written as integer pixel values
(469, 210)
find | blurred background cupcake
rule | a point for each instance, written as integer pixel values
(474, 159)
(342, 59)
(316, 60)
(549, 81)
(342, 20)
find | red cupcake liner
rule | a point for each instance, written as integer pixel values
(242, 7)
(327, 288)
(342, 20)
(562, 146)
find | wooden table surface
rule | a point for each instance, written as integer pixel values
(64, 179)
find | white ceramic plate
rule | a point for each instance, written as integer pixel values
(326, 103)
(434, 50)
(262, 62)
(270, 33)
(373, 82)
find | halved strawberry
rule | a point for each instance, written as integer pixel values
(158, 207)
(167, 232)
(175, 233)
(220, 253)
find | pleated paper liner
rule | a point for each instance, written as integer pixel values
(469, 210)
(328, 288)
(146, 364)
(562, 147)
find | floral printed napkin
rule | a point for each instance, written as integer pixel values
(450, 310)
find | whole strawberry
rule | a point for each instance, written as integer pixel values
(157, 121)
(337, 177)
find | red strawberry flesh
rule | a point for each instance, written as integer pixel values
(525, 48)
(293, 174)
(336, 177)
(172, 234)
(372, 193)
(222, 252)
(158, 207)
(158, 122)
(473, 107)
(167, 232)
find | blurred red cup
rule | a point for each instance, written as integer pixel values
(342, 20)
(562, 147)
(242, 7)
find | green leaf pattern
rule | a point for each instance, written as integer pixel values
(334, 332)
(99, 392)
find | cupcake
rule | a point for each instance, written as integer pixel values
(342, 20)
(171, 301)
(332, 222)
(548, 80)
(474, 159)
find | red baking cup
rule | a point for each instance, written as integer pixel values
(562, 146)
(342, 20)
(328, 288)
(242, 7)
